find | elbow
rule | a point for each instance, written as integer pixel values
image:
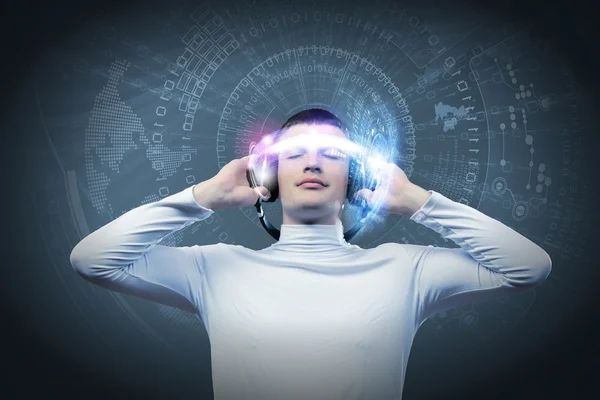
(544, 268)
(81, 260)
(77, 259)
(539, 269)
(531, 273)
(95, 263)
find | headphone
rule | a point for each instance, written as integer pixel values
(360, 176)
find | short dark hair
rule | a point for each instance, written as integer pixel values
(314, 116)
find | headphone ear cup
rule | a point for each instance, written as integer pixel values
(271, 183)
(355, 179)
(267, 177)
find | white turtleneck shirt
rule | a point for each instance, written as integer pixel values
(311, 316)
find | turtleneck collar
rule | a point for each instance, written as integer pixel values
(311, 235)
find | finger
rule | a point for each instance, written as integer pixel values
(365, 194)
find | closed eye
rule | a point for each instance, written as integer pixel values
(334, 154)
(332, 157)
(330, 153)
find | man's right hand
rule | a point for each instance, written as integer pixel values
(229, 188)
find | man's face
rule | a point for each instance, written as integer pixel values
(313, 173)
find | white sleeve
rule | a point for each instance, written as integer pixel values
(124, 255)
(492, 260)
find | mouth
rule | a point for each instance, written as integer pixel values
(311, 183)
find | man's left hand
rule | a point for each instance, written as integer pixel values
(395, 194)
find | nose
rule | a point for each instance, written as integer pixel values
(313, 162)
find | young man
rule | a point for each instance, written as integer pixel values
(311, 316)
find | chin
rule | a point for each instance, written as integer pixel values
(326, 206)
(311, 206)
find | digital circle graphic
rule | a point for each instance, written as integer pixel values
(499, 186)
(473, 111)
(469, 319)
(520, 210)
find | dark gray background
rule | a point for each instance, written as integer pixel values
(62, 336)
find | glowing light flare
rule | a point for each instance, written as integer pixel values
(376, 161)
(263, 176)
(313, 141)
(372, 158)
(261, 173)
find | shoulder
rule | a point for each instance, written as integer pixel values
(204, 252)
(406, 250)
(219, 248)
(397, 247)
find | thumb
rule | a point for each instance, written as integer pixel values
(263, 192)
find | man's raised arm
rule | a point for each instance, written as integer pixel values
(492, 260)
(125, 255)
